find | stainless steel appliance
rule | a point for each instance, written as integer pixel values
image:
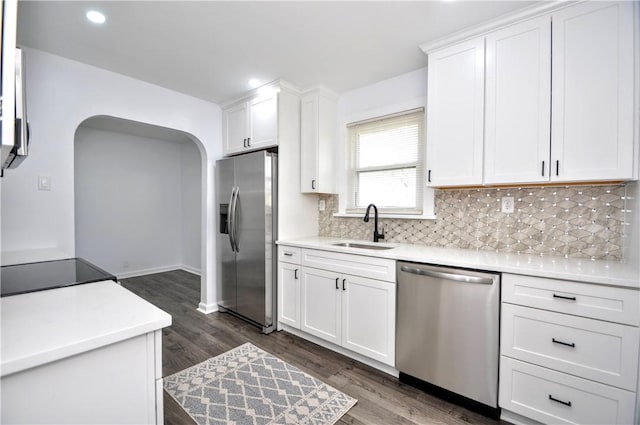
(13, 156)
(447, 335)
(247, 199)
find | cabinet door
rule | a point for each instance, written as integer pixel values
(368, 317)
(592, 102)
(321, 295)
(263, 121)
(455, 114)
(289, 294)
(309, 145)
(518, 103)
(235, 134)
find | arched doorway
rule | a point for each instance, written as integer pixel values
(138, 197)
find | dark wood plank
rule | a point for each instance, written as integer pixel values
(194, 337)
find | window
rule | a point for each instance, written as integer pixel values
(386, 157)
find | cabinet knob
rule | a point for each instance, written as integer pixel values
(337, 279)
(295, 274)
(244, 143)
(313, 184)
(429, 176)
(248, 141)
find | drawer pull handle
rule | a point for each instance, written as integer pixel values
(564, 298)
(289, 254)
(566, 403)
(337, 279)
(344, 282)
(568, 344)
(295, 274)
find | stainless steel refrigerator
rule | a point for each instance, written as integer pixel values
(247, 218)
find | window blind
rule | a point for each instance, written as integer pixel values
(386, 163)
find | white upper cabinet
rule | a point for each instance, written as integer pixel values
(593, 92)
(252, 124)
(263, 120)
(235, 135)
(455, 114)
(518, 103)
(558, 105)
(317, 125)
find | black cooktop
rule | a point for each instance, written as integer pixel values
(30, 277)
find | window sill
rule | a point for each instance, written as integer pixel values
(383, 215)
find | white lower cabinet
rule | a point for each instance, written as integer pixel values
(289, 286)
(289, 294)
(321, 304)
(353, 311)
(601, 351)
(368, 318)
(577, 363)
(558, 398)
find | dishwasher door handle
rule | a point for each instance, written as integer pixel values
(447, 276)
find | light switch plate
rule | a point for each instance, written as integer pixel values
(321, 205)
(44, 183)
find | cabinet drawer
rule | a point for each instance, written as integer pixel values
(609, 303)
(553, 397)
(288, 254)
(359, 265)
(592, 349)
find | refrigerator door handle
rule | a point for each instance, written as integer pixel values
(231, 219)
(234, 213)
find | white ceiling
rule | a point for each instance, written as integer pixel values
(210, 49)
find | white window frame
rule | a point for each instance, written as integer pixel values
(423, 208)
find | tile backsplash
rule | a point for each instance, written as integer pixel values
(568, 221)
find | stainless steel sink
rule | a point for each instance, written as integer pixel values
(361, 246)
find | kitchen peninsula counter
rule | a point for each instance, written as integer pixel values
(89, 352)
(575, 269)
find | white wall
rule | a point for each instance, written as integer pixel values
(190, 213)
(61, 94)
(129, 203)
(404, 92)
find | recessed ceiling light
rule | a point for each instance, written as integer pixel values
(254, 82)
(96, 17)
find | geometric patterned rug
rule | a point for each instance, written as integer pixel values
(248, 386)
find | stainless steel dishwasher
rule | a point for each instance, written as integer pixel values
(447, 333)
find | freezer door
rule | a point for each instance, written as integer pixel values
(254, 236)
(227, 280)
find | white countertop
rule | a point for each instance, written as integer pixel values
(581, 270)
(41, 327)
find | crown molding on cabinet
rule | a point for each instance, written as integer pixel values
(495, 24)
(275, 85)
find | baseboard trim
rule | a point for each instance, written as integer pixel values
(152, 270)
(207, 308)
(190, 269)
(359, 357)
(161, 269)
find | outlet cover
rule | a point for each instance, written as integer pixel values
(321, 205)
(507, 204)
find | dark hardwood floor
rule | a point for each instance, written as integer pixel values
(194, 337)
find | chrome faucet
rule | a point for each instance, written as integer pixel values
(376, 236)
